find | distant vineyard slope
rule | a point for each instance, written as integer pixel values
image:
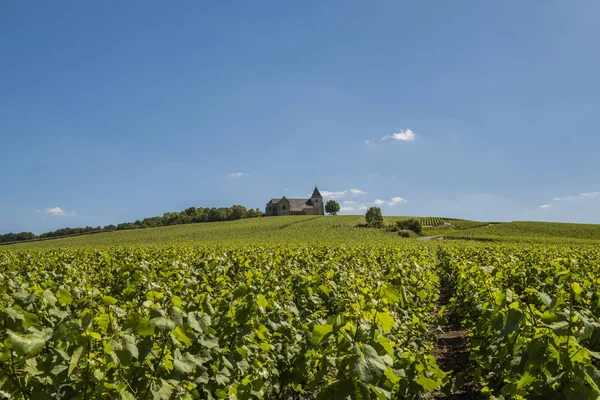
(529, 231)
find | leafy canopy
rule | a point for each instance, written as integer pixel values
(374, 217)
(332, 207)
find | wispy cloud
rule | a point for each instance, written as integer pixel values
(357, 192)
(405, 136)
(392, 202)
(342, 193)
(56, 212)
(583, 196)
(333, 195)
(546, 206)
(236, 174)
(348, 206)
(580, 196)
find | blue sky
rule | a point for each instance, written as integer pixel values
(113, 112)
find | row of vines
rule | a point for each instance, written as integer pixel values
(534, 317)
(300, 322)
(431, 221)
(226, 323)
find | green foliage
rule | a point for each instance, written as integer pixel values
(308, 230)
(462, 224)
(374, 218)
(187, 216)
(531, 232)
(405, 233)
(411, 224)
(534, 314)
(292, 307)
(332, 207)
(431, 221)
(230, 322)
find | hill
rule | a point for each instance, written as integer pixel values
(529, 231)
(296, 229)
(319, 229)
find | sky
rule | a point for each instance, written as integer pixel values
(112, 112)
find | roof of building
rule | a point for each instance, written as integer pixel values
(298, 204)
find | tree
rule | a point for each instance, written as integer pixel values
(374, 217)
(411, 224)
(332, 207)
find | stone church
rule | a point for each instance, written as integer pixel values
(285, 206)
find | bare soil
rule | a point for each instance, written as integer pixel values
(451, 351)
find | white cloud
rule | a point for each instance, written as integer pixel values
(236, 174)
(396, 200)
(333, 195)
(392, 202)
(56, 212)
(357, 192)
(348, 206)
(546, 206)
(588, 195)
(580, 196)
(406, 136)
(342, 193)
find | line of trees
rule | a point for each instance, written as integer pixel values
(188, 216)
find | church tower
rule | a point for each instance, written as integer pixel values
(317, 202)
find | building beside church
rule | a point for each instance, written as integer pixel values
(285, 206)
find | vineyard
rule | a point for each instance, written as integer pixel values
(246, 323)
(298, 308)
(465, 224)
(534, 315)
(431, 221)
(525, 231)
(308, 230)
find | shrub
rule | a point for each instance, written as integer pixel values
(411, 224)
(404, 233)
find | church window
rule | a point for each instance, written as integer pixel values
(283, 207)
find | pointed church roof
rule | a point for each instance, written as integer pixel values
(316, 193)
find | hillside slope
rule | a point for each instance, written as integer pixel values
(531, 232)
(317, 230)
(296, 229)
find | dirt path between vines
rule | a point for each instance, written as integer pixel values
(451, 351)
(436, 237)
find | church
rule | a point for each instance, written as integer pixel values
(285, 206)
